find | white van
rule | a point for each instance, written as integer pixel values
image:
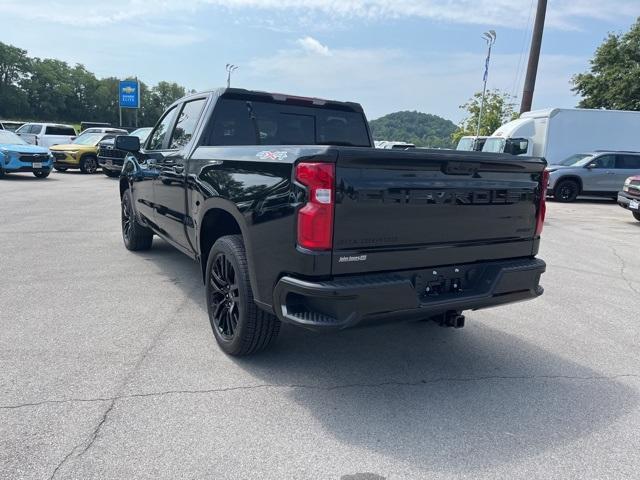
(558, 133)
(47, 134)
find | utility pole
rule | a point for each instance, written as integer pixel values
(230, 69)
(490, 38)
(534, 56)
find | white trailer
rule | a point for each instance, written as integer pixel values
(557, 133)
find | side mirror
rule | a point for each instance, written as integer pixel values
(592, 165)
(128, 143)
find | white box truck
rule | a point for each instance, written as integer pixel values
(557, 133)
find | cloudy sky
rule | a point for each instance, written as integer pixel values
(389, 55)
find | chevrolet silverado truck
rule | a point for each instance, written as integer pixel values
(295, 217)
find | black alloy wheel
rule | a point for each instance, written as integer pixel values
(136, 236)
(224, 297)
(238, 325)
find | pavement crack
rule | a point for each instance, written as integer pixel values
(390, 383)
(88, 443)
(623, 267)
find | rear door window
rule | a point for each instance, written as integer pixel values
(58, 130)
(629, 162)
(242, 122)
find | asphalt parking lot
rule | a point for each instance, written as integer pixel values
(109, 370)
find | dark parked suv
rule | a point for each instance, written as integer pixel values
(111, 159)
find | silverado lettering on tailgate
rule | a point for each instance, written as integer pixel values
(441, 197)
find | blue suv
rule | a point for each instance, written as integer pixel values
(16, 155)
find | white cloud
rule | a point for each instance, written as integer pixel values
(312, 45)
(564, 14)
(387, 80)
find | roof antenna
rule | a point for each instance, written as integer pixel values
(230, 69)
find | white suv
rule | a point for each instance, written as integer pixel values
(46, 134)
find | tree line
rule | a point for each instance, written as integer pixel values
(45, 89)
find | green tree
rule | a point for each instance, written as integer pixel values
(421, 129)
(14, 66)
(613, 79)
(49, 90)
(498, 109)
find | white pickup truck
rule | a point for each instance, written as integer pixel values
(47, 134)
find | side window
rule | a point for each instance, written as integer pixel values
(606, 161)
(24, 128)
(35, 129)
(159, 135)
(66, 131)
(231, 125)
(186, 124)
(629, 162)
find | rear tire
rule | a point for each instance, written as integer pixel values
(41, 173)
(566, 191)
(136, 236)
(239, 326)
(636, 215)
(89, 164)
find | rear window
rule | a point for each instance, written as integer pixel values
(57, 130)
(242, 122)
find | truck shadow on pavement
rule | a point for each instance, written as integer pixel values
(435, 399)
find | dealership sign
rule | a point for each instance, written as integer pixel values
(129, 94)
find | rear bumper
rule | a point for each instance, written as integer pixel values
(348, 301)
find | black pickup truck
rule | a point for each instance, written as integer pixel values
(295, 217)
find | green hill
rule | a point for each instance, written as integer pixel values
(422, 129)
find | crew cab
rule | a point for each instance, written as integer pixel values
(46, 134)
(295, 217)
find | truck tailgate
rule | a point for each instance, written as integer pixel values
(424, 208)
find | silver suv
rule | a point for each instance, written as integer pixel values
(599, 173)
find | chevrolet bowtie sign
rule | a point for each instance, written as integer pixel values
(129, 94)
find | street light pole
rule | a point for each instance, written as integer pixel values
(230, 69)
(490, 38)
(534, 57)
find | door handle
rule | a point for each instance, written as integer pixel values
(610, 173)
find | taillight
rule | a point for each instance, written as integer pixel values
(315, 219)
(542, 202)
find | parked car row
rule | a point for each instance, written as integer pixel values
(40, 147)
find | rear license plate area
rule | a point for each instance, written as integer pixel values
(445, 282)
